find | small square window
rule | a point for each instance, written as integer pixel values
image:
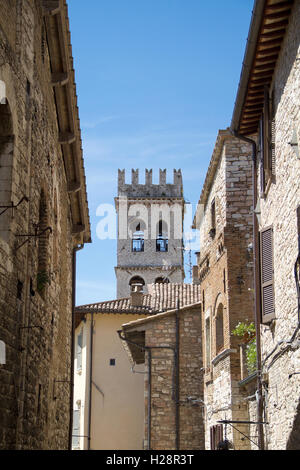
(112, 362)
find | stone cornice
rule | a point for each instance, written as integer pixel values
(222, 355)
(147, 267)
(213, 165)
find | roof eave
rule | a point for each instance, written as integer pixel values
(249, 55)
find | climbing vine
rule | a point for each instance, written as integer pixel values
(246, 332)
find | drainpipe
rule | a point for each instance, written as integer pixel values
(177, 385)
(75, 249)
(149, 417)
(257, 296)
(91, 382)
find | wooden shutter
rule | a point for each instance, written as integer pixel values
(216, 436)
(267, 275)
(212, 438)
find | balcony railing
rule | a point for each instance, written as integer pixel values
(162, 244)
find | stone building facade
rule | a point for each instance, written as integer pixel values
(267, 112)
(43, 220)
(150, 224)
(169, 346)
(224, 272)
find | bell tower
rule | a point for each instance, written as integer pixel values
(150, 225)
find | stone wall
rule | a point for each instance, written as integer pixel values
(279, 209)
(35, 267)
(159, 333)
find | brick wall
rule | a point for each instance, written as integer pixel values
(225, 273)
(163, 431)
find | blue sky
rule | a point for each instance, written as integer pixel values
(156, 80)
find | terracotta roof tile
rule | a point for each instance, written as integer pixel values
(161, 297)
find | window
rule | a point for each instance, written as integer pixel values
(112, 362)
(207, 342)
(162, 237)
(267, 276)
(79, 349)
(2, 353)
(216, 436)
(212, 231)
(219, 329)
(138, 240)
(213, 214)
(267, 141)
(76, 429)
(6, 165)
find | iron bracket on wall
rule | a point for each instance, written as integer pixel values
(13, 206)
(225, 421)
(35, 235)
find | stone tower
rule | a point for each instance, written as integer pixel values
(150, 224)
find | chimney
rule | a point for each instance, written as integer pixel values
(136, 296)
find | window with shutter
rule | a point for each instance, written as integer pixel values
(267, 275)
(216, 436)
(267, 141)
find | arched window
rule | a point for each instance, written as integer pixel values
(137, 283)
(162, 280)
(219, 329)
(138, 239)
(6, 165)
(162, 237)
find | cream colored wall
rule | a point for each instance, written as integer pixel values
(81, 375)
(117, 393)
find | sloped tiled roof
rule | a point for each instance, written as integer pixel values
(170, 296)
(161, 297)
(117, 306)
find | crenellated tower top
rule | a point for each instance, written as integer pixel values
(163, 189)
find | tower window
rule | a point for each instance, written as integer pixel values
(162, 239)
(162, 280)
(138, 240)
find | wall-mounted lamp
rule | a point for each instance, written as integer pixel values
(294, 143)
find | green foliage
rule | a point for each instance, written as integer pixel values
(247, 333)
(251, 356)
